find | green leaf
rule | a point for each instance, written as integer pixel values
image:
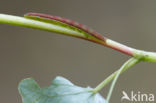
(60, 91)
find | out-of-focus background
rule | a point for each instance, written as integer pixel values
(42, 55)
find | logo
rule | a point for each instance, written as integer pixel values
(137, 97)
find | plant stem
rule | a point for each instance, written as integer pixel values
(125, 67)
(131, 62)
(53, 27)
(21, 21)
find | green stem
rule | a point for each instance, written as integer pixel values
(125, 67)
(53, 27)
(30, 23)
(131, 62)
(57, 28)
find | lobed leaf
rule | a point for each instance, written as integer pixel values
(60, 91)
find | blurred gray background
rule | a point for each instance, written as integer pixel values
(42, 55)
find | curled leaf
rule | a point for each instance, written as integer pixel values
(67, 23)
